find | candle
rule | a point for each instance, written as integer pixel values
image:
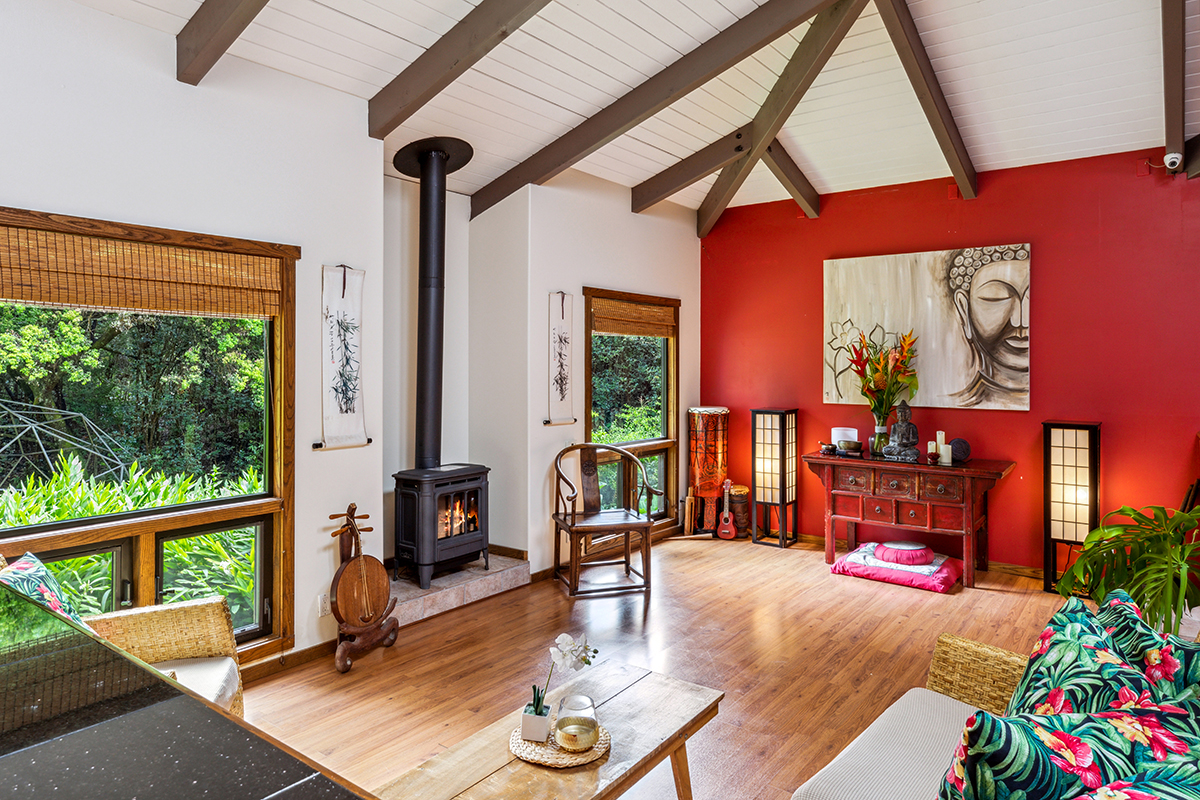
(933, 447)
(947, 456)
(941, 439)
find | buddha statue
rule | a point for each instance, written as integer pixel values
(902, 444)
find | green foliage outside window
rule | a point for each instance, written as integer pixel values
(627, 388)
(86, 582)
(222, 562)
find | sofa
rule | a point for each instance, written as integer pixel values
(904, 753)
(1104, 707)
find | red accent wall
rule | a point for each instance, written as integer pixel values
(1115, 292)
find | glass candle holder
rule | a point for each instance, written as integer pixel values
(576, 728)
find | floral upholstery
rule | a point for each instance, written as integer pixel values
(1076, 667)
(1104, 711)
(29, 576)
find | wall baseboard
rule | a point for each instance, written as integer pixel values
(265, 667)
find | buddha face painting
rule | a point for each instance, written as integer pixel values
(990, 290)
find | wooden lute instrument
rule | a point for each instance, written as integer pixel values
(360, 590)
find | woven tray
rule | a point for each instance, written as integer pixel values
(551, 755)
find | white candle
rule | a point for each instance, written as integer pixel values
(941, 439)
(933, 447)
(946, 456)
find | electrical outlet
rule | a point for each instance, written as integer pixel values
(323, 605)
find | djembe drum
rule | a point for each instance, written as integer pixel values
(708, 443)
(739, 506)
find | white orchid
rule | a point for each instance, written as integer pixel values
(566, 654)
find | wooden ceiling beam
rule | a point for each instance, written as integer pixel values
(1191, 157)
(813, 52)
(907, 39)
(1174, 50)
(695, 167)
(741, 39)
(784, 168)
(214, 27)
(475, 35)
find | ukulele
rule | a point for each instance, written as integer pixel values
(360, 588)
(725, 529)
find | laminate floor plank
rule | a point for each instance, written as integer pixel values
(806, 660)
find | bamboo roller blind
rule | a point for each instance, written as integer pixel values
(632, 318)
(64, 269)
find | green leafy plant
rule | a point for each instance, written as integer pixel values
(1151, 557)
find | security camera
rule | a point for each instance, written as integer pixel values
(1172, 160)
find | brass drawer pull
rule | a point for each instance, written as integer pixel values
(941, 489)
(895, 484)
(912, 514)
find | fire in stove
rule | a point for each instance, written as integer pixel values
(456, 518)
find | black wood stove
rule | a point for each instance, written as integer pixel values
(441, 509)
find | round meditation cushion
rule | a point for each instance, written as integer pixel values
(904, 553)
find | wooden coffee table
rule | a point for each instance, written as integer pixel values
(650, 717)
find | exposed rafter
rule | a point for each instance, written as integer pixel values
(208, 34)
(813, 52)
(699, 165)
(784, 168)
(484, 27)
(746, 36)
(1174, 47)
(1191, 157)
(907, 40)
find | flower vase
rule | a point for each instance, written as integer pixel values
(880, 439)
(535, 727)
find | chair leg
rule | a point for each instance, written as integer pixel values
(557, 563)
(628, 552)
(646, 557)
(576, 558)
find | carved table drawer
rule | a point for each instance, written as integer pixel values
(849, 479)
(877, 509)
(896, 484)
(939, 488)
(912, 514)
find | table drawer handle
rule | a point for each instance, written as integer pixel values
(895, 484)
(878, 510)
(912, 514)
(850, 480)
(941, 489)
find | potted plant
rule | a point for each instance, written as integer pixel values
(566, 654)
(884, 371)
(1151, 557)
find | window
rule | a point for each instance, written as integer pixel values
(632, 385)
(145, 452)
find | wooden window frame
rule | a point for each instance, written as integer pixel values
(668, 446)
(143, 528)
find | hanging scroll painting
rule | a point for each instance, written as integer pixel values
(969, 309)
(343, 420)
(560, 369)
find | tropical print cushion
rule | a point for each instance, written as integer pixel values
(1064, 756)
(1075, 667)
(1180, 782)
(1170, 663)
(29, 576)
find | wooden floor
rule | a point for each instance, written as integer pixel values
(806, 660)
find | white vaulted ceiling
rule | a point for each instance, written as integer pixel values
(1028, 81)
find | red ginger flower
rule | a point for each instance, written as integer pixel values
(1161, 665)
(1118, 790)
(1055, 703)
(1126, 700)
(1043, 642)
(1071, 754)
(1148, 731)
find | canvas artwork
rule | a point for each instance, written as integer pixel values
(969, 309)
(343, 420)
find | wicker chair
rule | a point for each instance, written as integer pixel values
(975, 673)
(191, 629)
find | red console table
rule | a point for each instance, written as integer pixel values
(917, 497)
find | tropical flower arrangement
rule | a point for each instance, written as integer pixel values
(884, 371)
(566, 654)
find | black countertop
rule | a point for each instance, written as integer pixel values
(80, 719)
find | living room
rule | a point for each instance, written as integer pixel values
(101, 129)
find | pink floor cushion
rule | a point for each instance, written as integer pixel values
(939, 575)
(904, 553)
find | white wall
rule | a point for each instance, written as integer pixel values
(575, 231)
(401, 214)
(96, 125)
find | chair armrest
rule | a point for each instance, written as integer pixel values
(191, 629)
(979, 674)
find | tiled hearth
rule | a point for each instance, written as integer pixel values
(456, 587)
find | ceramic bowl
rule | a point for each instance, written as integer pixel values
(849, 447)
